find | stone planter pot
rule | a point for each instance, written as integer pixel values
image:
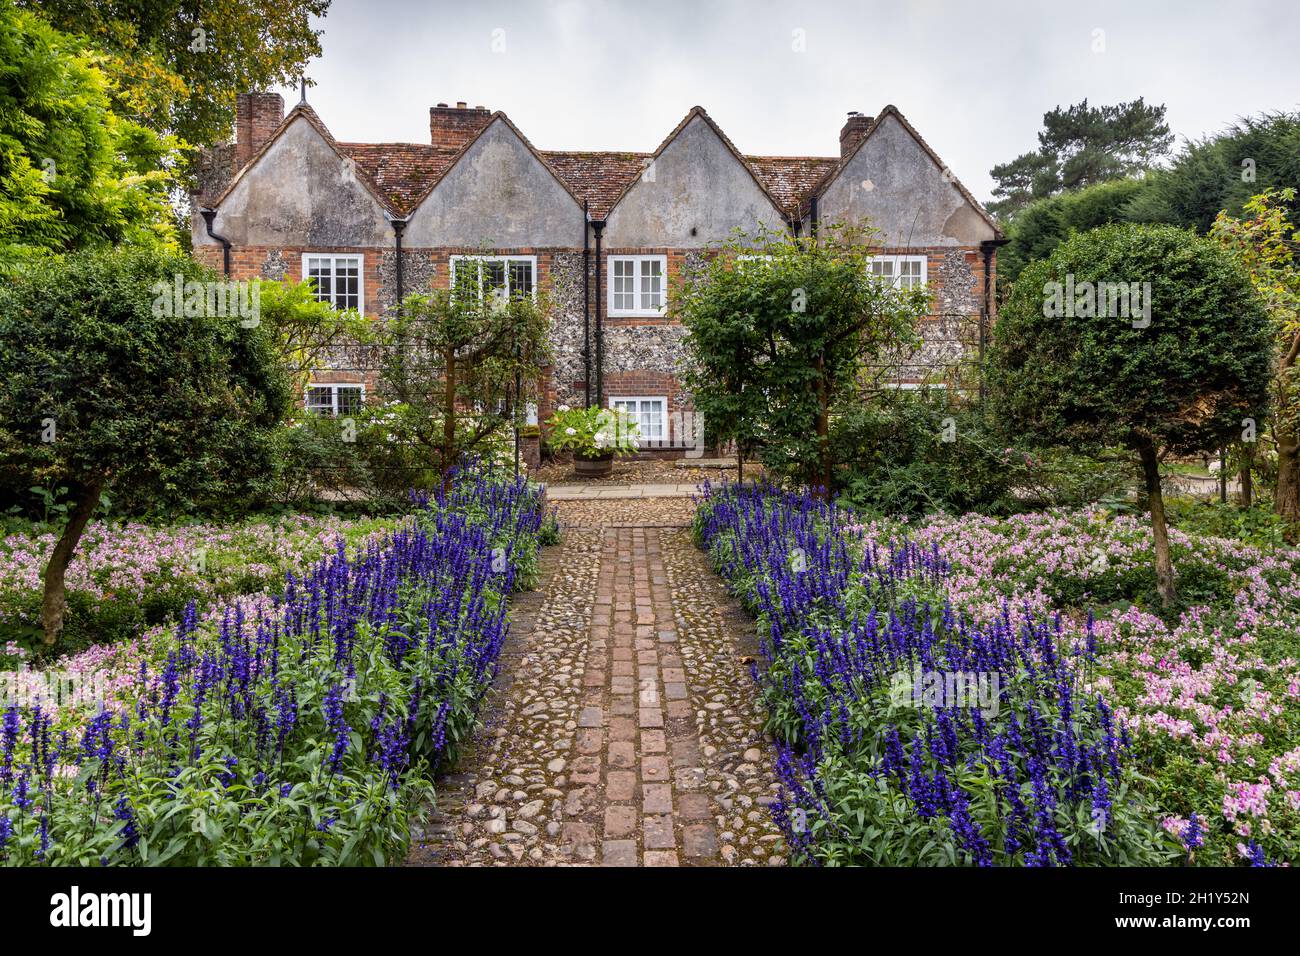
(598, 466)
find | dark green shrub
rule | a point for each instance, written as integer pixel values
(917, 452)
(1257, 525)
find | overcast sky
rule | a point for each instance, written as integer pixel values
(779, 77)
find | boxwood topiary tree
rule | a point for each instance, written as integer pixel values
(107, 385)
(1146, 337)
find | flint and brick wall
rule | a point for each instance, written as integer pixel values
(642, 353)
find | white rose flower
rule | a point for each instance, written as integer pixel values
(561, 408)
(570, 431)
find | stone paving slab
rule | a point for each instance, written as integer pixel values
(624, 729)
(597, 492)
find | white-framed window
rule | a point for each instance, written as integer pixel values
(497, 275)
(902, 272)
(334, 399)
(339, 280)
(649, 413)
(637, 285)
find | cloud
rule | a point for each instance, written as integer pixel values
(975, 79)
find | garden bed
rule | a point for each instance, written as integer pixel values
(1142, 721)
(127, 576)
(301, 729)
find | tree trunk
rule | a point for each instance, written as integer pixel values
(1245, 479)
(1160, 531)
(448, 413)
(54, 602)
(1286, 495)
(823, 426)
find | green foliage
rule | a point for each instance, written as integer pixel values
(1081, 146)
(775, 339)
(153, 404)
(310, 455)
(904, 452)
(1043, 225)
(594, 431)
(1258, 525)
(1265, 242)
(1223, 172)
(453, 350)
(1219, 174)
(549, 533)
(177, 66)
(306, 328)
(73, 172)
(1184, 382)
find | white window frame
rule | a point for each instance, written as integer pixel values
(894, 275)
(334, 387)
(639, 399)
(332, 258)
(531, 260)
(639, 308)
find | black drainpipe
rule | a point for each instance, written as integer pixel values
(599, 227)
(398, 226)
(209, 215)
(586, 305)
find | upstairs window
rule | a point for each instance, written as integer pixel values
(504, 276)
(334, 400)
(338, 279)
(636, 285)
(902, 272)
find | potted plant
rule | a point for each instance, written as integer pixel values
(595, 436)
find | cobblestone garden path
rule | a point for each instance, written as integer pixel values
(623, 729)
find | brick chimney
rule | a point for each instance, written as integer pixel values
(855, 127)
(454, 126)
(257, 116)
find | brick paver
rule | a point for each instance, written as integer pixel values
(634, 607)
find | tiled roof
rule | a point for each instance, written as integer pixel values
(599, 178)
(791, 179)
(400, 171)
(402, 174)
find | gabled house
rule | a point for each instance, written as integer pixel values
(608, 231)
